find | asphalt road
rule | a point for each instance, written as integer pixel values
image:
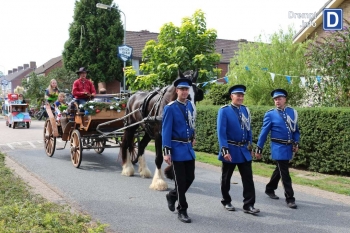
(128, 205)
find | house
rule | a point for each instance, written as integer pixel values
(49, 66)
(309, 31)
(15, 76)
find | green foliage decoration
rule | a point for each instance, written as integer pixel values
(91, 108)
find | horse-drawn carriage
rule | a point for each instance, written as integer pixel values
(142, 117)
(97, 128)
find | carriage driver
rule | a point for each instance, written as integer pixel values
(177, 139)
(83, 89)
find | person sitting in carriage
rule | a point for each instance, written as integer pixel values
(83, 90)
(60, 102)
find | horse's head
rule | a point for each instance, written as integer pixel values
(196, 94)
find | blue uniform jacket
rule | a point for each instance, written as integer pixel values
(280, 129)
(230, 128)
(175, 126)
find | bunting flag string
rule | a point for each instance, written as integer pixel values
(288, 77)
(212, 81)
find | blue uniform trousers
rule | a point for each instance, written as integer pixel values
(184, 176)
(245, 169)
(281, 171)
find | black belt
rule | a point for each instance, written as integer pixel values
(237, 143)
(182, 139)
(281, 141)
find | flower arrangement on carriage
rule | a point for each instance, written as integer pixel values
(91, 107)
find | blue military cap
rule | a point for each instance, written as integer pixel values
(279, 92)
(237, 89)
(183, 83)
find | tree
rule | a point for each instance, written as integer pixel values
(328, 59)
(63, 77)
(254, 62)
(35, 87)
(188, 47)
(93, 39)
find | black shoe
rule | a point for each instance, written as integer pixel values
(292, 205)
(171, 203)
(251, 210)
(272, 195)
(229, 207)
(183, 217)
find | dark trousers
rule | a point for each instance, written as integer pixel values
(281, 171)
(245, 169)
(183, 176)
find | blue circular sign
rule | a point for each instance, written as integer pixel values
(4, 82)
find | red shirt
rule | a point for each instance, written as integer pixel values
(79, 87)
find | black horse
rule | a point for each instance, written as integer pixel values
(147, 107)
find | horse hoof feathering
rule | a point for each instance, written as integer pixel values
(143, 169)
(128, 168)
(158, 182)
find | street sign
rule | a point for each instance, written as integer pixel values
(4, 82)
(124, 52)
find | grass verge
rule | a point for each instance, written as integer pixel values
(332, 183)
(23, 211)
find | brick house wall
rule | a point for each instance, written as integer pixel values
(319, 30)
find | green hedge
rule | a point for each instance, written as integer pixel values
(324, 141)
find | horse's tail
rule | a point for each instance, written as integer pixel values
(169, 172)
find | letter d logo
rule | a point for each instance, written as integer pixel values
(332, 19)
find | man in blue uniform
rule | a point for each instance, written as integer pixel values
(177, 138)
(282, 122)
(235, 140)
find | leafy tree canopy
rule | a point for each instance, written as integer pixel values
(64, 78)
(35, 88)
(328, 57)
(252, 64)
(188, 47)
(94, 36)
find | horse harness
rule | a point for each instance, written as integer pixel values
(152, 119)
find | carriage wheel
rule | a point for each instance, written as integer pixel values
(100, 145)
(27, 123)
(49, 139)
(134, 153)
(76, 150)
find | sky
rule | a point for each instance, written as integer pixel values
(36, 30)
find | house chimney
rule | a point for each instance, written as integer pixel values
(9, 72)
(14, 70)
(20, 68)
(32, 65)
(25, 66)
